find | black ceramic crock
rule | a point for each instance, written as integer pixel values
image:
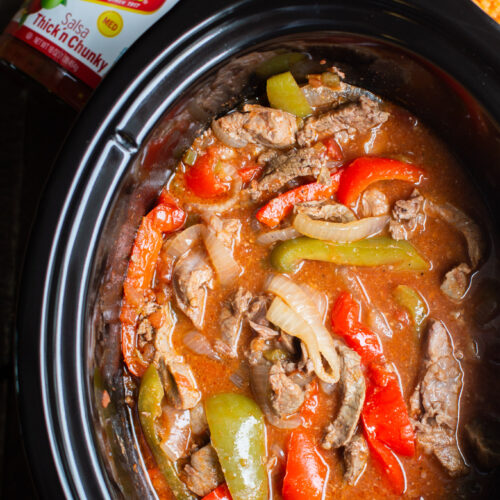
(440, 59)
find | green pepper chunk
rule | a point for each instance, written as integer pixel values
(284, 93)
(378, 251)
(279, 64)
(275, 355)
(237, 433)
(411, 300)
(189, 157)
(150, 397)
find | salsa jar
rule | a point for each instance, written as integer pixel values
(69, 45)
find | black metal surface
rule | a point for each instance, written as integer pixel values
(59, 275)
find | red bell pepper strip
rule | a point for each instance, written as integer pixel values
(202, 178)
(385, 415)
(365, 170)
(250, 172)
(220, 493)
(306, 472)
(389, 463)
(164, 218)
(273, 212)
(345, 322)
(333, 150)
(309, 408)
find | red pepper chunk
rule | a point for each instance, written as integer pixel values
(250, 172)
(164, 218)
(309, 408)
(345, 322)
(273, 212)
(220, 493)
(386, 417)
(202, 178)
(333, 150)
(306, 472)
(389, 463)
(364, 171)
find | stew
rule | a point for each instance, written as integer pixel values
(305, 306)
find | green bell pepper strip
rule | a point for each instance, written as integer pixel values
(411, 300)
(284, 93)
(378, 251)
(150, 397)
(279, 64)
(237, 433)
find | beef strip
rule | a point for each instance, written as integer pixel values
(258, 125)
(199, 424)
(456, 281)
(462, 223)
(145, 333)
(341, 430)
(483, 435)
(373, 203)
(322, 96)
(256, 316)
(305, 365)
(435, 402)
(191, 277)
(227, 231)
(356, 455)
(287, 396)
(230, 320)
(176, 375)
(267, 156)
(324, 176)
(408, 217)
(329, 211)
(203, 473)
(257, 320)
(287, 166)
(342, 123)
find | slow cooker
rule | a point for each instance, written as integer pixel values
(438, 59)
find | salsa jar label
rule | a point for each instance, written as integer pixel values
(85, 37)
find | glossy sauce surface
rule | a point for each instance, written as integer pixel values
(441, 246)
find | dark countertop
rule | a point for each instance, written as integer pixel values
(32, 128)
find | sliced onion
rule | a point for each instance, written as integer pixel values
(319, 298)
(175, 444)
(340, 232)
(289, 321)
(259, 382)
(239, 377)
(234, 198)
(199, 424)
(199, 344)
(222, 258)
(305, 309)
(378, 322)
(277, 451)
(375, 317)
(327, 388)
(183, 241)
(277, 235)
